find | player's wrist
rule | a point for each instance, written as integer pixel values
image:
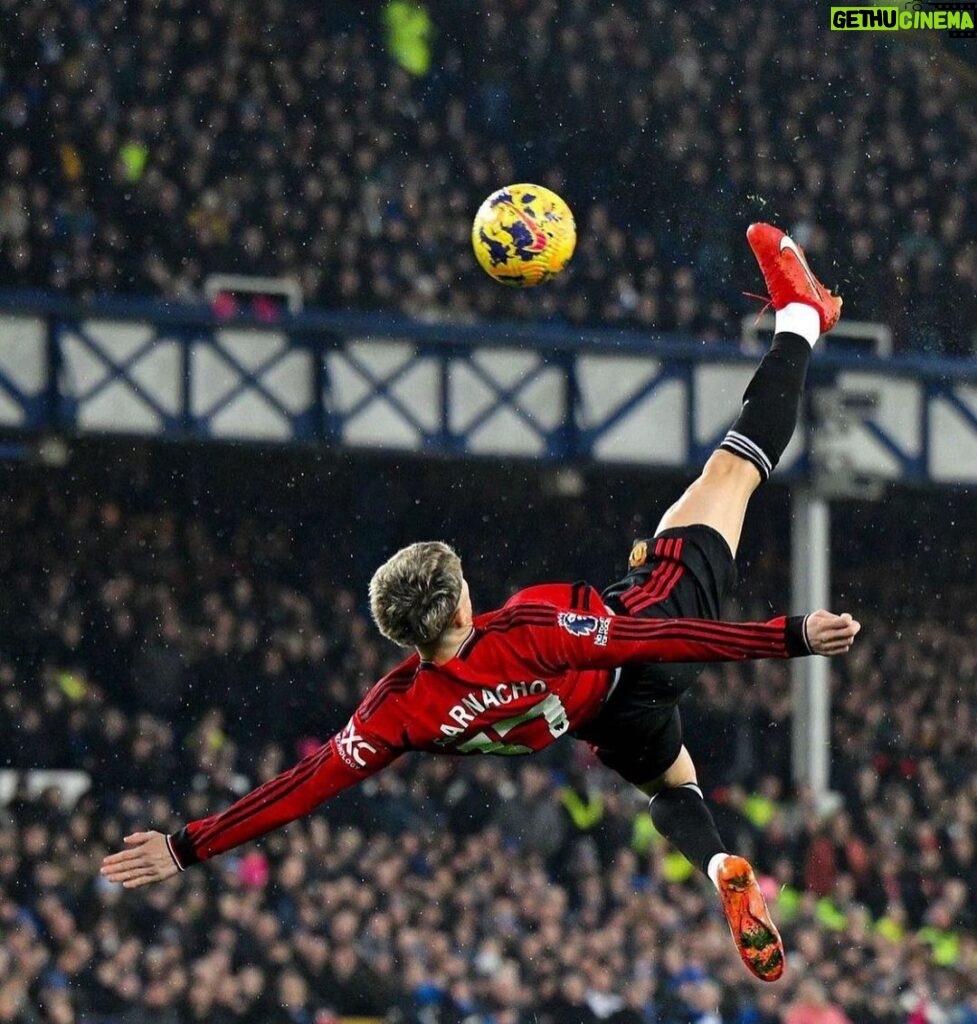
(181, 849)
(795, 635)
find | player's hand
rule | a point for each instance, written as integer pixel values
(830, 634)
(147, 859)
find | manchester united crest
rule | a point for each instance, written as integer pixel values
(639, 555)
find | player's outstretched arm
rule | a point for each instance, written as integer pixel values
(348, 758)
(563, 639)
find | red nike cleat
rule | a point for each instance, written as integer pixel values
(789, 278)
(754, 933)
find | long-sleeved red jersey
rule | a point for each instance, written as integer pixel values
(537, 668)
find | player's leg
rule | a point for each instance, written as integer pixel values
(640, 737)
(804, 310)
(687, 570)
(717, 498)
(682, 816)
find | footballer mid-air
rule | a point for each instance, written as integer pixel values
(563, 659)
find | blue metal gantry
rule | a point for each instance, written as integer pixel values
(551, 393)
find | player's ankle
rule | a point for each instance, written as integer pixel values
(799, 318)
(714, 866)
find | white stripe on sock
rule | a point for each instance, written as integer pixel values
(750, 445)
(746, 454)
(749, 452)
(685, 785)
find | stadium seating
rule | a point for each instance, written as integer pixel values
(145, 150)
(180, 654)
(179, 625)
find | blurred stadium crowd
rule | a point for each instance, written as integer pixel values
(181, 652)
(147, 145)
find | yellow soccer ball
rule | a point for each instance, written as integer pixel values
(523, 235)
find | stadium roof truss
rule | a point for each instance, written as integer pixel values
(546, 393)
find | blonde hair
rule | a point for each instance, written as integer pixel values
(415, 593)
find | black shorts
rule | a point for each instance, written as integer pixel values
(682, 573)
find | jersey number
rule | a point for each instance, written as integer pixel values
(551, 708)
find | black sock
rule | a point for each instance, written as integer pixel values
(682, 817)
(770, 403)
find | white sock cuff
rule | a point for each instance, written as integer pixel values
(799, 318)
(712, 869)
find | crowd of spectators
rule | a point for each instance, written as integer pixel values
(180, 650)
(148, 145)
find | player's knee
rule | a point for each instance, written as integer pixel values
(724, 469)
(725, 481)
(681, 772)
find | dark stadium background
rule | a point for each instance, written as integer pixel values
(182, 620)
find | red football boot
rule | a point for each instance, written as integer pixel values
(754, 933)
(789, 278)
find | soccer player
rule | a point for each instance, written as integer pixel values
(561, 659)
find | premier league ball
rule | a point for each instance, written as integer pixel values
(523, 235)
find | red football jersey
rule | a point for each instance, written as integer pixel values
(529, 673)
